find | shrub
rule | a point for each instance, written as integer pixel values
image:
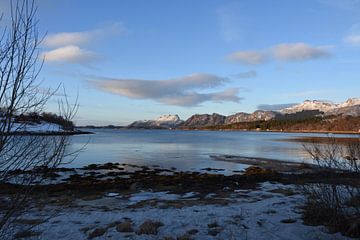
(335, 205)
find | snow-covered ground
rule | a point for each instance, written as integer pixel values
(42, 127)
(37, 127)
(266, 213)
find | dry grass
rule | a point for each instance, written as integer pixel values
(125, 227)
(149, 227)
(29, 221)
(26, 234)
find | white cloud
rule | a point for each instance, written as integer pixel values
(247, 57)
(67, 46)
(179, 91)
(298, 52)
(66, 38)
(70, 53)
(79, 38)
(353, 39)
(285, 52)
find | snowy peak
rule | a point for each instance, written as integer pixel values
(164, 121)
(350, 102)
(168, 118)
(323, 106)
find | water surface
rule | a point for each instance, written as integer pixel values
(186, 150)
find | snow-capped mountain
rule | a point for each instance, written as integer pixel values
(322, 106)
(165, 121)
(258, 115)
(351, 107)
(350, 102)
(347, 108)
(169, 120)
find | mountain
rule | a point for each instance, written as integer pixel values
(204, 120)
(258, 115)
(349, 108)
(322, 106)
(346, 111)
(163, 122)
(309, 109)
(350, 103)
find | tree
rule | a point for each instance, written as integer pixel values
(21, 94)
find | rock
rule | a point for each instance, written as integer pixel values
(253, 170)
(289, 220)
(97, 233)
(124, 227)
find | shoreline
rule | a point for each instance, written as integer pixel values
(116, 201)
(278, 131)
(65, 133)
(240, 130)
(269, 164)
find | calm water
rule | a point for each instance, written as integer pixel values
(185, 150)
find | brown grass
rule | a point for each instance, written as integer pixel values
(26, 234)
(125, 227)
(149, 227)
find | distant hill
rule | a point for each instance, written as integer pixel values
(298, 116)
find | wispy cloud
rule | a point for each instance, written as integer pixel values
(72, 54)
(299, 52)
(228, 18)
(248, 74)
(353, 38)
(183, 91)
(275, 107)
(348, 5)
(80, 38)
(247, 57)
(68, 47)
(288, 52)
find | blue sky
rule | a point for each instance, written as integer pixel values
(132, 60)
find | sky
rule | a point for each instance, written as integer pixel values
(132, 60)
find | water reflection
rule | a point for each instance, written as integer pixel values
(185, 150)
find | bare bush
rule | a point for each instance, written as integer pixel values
(31, 157)
(333, 204)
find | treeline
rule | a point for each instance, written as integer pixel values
(46, 117)
(340, 123)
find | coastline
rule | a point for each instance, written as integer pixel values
(65, 133)
(116, 201)
(243, 130)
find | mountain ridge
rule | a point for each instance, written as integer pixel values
(301, 111)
